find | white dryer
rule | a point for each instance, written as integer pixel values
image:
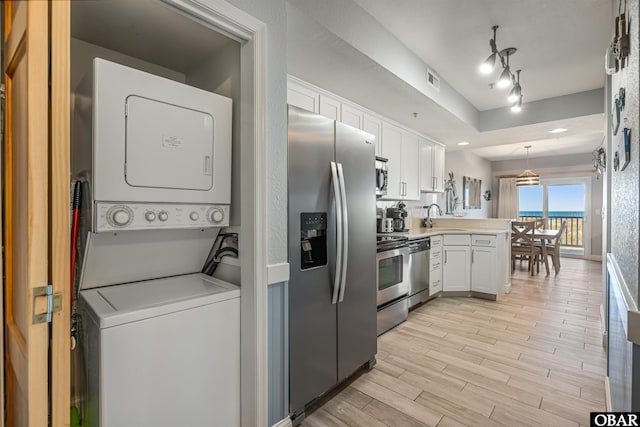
(163, 353)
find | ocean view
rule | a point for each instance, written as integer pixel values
(553, 214)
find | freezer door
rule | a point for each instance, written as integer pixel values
(312, 316)
(357, 311)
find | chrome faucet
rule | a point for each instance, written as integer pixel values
(428, 222)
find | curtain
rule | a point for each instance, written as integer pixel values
(508, 199)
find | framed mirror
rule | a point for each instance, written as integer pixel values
(471, 192)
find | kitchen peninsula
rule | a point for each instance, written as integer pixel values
(468, 257)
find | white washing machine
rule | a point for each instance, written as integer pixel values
(163, 352)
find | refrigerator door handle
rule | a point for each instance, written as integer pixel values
(345, 231)
(337, 197)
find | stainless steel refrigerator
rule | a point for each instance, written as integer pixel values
(332, 254)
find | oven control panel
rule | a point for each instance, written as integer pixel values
(144, 216)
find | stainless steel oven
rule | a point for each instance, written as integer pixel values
(392, 278)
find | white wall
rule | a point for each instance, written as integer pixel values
(465, 163)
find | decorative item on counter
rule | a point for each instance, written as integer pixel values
(451, 195)
(487, 195)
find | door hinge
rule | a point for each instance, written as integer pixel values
(42, 295)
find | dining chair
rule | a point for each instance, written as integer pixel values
(541, 223)
(523, 244)
(553, 248)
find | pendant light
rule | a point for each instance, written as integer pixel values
(527, 178)
(505, 76)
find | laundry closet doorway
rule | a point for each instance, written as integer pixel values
(37, 250)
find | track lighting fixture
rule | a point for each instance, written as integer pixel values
(506, 76)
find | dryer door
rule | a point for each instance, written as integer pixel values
(168, 146)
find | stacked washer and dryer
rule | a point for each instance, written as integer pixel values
(160, 340)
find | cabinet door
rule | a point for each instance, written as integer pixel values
(435, 273)
(329, 107)
(392, 150)
(483, 269)
(373, 125)
(438, 168)
(300, 96)
(411, 166)
(426, 166)
(456, 270)
(351, 116)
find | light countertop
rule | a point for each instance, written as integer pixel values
(418, 233)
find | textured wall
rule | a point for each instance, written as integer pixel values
(625, 201)
(273, 14)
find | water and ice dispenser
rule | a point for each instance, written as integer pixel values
(313, 239)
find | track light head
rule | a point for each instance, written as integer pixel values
(489, 64)
(517, 107)
(505, 78)
(514, 94)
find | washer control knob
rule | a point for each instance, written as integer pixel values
(216, 215)
(194, 216)
(150, 216)
(119, 216)
(163, 216)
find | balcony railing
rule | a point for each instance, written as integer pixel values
(572, 236)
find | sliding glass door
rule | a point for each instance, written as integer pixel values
(560, 200)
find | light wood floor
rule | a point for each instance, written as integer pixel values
(532, 359)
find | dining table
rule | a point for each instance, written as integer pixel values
(545, 235)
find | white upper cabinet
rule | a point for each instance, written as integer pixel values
(403, 151)
(431, 167)
(392, 150)
(351, 116)
(302, 97)
(410, 167)
(438, 168)
(426, 166)
(329, 107)
(373, 125)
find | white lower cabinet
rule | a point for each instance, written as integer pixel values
(484, 270)
(456, 270)
(435, 266)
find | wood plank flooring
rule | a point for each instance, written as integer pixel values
(535, 358)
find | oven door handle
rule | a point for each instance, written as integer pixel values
(345, 233)
(337, 198)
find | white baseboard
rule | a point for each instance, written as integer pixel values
(283, 423)
(277, 273)
(595, 258)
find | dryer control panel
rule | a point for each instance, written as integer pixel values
(144, 216)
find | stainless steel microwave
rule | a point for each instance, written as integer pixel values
(382, 177)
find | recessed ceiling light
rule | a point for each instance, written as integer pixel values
(463, 143)
(558, 130)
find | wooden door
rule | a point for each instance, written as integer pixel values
(36, 213)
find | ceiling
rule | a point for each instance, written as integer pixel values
(114, 23)
(560, 43)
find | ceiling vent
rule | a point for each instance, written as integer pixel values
(433, 79)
